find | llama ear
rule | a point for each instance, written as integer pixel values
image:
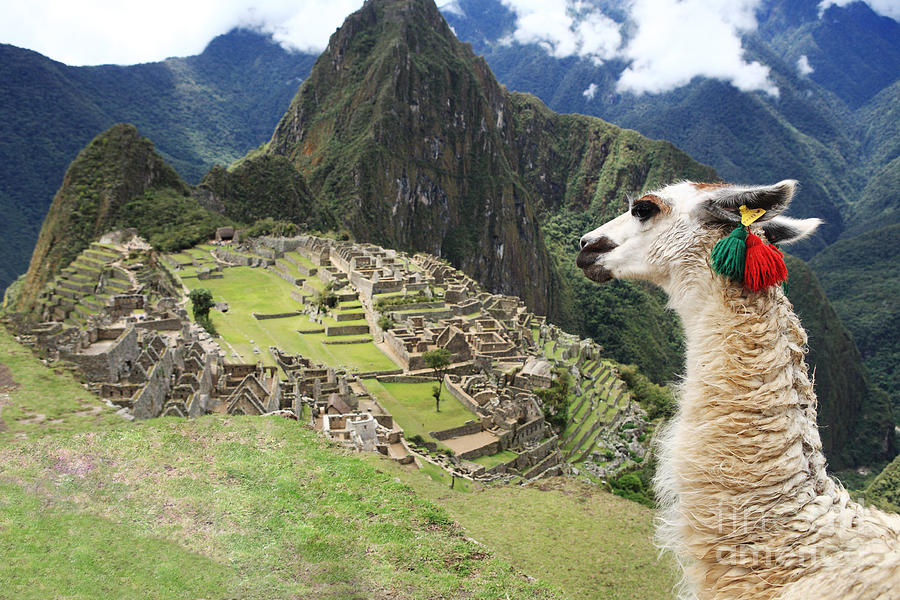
(724, 204)
(785, 230)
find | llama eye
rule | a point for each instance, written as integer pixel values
(644, 210)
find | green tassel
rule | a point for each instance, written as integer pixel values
(729, 254)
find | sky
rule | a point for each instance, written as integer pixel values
(706, 42)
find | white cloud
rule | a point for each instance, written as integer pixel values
(803, 65)
(669, 41)
(590, 92)
(565, 28)
(90, 32)
(676, 41)
(885, 8)
(452, 7)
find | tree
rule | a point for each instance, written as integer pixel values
(438, 360)
(201, 303)
(436, 394)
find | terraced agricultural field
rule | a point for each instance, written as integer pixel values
(249, 290)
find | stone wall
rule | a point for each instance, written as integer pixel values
(149, 402)
(529, 433)
(529, 458)
(109, 333)
(286, 276)
(532, 457)
(460, 394)
(468, 429)
(406, 379)
(347, 330)
(284, 315)
(551, 460)
(400, 350)
(489, 450)
(160, 324)
(111, 365)
(402, 313)
(279, 244)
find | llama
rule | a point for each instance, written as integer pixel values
(745, 503)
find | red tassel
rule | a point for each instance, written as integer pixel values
(764, 266)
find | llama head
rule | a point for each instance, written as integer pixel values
(666, 236)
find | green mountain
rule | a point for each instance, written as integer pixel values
(268, 185)
(860, 276)
(855, 415)
(403, 137)
(884, 491)
(117, 181)
(409, 140)
(201, 110)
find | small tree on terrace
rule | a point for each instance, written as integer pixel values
(201, 303)
(438, 361)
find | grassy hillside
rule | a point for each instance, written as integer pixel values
(884, 491)
(589, 543)
(257, 508)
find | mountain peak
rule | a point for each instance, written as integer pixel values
(115, 167)
(408, 135)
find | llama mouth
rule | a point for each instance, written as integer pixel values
(587, 262)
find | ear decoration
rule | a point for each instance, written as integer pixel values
(764, 265)
(743, 256)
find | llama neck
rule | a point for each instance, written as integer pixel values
(745, 437)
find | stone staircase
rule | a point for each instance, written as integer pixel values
(603, 398)
(83, 287)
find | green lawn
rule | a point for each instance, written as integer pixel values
(299, 258)
(493, 460)
(412, 407)
(589, 543)
(248, 290)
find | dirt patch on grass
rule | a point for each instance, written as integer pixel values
(7, 383)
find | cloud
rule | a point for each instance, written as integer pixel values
(669, 42)
(565, 28)
(90, 32)
(675, 41)
(885, 8)
(452, 7)
(590, 92)
(803, 65)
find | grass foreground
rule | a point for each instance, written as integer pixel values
(92, 506)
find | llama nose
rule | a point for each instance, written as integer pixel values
(599, 244)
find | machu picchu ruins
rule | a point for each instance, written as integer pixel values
(119, 313)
